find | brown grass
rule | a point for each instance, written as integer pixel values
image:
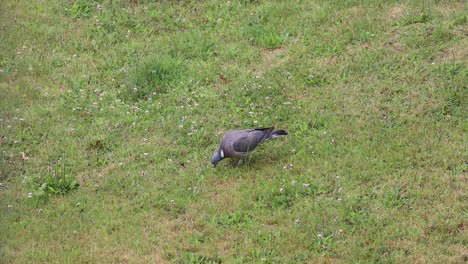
(451, 8)
(458, 53)
(327, 61)
(395, 13)
(271, 58)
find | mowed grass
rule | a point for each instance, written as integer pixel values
(111, 110)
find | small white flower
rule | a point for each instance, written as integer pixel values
(145, 154)
(305, 185)
(281, 190)
(10, 206)
(297, 221)
(320, 236)
(30, 195)
(172, 202)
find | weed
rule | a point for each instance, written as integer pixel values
(395, 198)
(266, 36)
(460, 20)
(193, 45)
(59, 182)
(237, 218)
(153, 77)
(81, 9)
(323, 243)
(191, 258)
(423, 18)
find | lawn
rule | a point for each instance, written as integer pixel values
(110, 111)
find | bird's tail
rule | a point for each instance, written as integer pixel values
(277, 133)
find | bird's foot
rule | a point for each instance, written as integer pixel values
(240, 162)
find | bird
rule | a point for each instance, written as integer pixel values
(241, 143)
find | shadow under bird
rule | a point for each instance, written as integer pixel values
(241, 143)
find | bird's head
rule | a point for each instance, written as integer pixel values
(217, 157)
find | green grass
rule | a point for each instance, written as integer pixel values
(111, 110)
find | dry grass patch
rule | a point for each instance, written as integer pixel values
(395, 13)
(452, 8)
(394, 45)
(357, 11)
(327, 61)
(223, 193)
(458, 53)
(271, 58)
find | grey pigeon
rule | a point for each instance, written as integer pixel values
(241, 143)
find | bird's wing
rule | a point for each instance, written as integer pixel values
(247, 141)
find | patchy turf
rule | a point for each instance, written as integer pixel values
(111, 110)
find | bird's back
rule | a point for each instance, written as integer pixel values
(240, 143)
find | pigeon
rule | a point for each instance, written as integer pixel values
(241, 143)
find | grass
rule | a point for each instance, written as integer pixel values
(111, 110)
